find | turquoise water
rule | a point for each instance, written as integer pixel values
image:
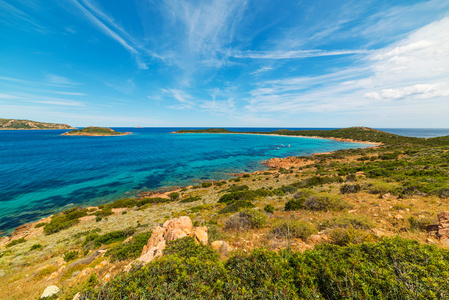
(42, 172)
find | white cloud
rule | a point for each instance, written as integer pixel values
(412, 70)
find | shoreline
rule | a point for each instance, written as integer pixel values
(294, 136)
(273, 162)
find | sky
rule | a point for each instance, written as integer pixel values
(224, 63)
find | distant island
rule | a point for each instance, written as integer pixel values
(13, 124)
(95, 131)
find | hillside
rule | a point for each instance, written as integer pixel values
(362, 134)
(356, 223)
(94, 131)
(12, 124)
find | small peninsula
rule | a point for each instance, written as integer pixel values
(13, 124)
(95, 131)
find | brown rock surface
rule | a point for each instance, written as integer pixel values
(443, 225)
(287, 162)
(170, 231)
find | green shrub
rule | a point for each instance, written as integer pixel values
(191, 199)
(129, 250)
(389, 269)
(97, 240)
(293, 204)
(103, 213)
(350, 235)
(346, 221)
(64, 220)
(248, 218)
(16, 242)
(419, 224)
(269, 208)
(350, 188)
(206, 184)
(36, 247)
(293, 229)
(174, 196)
(71, 255)
(246, 175)
(39, 225)
(380, 187)
(325, 202)
(213, 233)
(399, 207)
(237, 188)
(236, 206)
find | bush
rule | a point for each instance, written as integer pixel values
(350, 235)
(174, 196)
(419, 224)
(129, 250)
(269, 208)
(325, 202)
(392, 268)
(16, 242)
(350, 188)
(39, 225)
(206, 184)
(191, 199)
(71, 255)
(64, 220)
(293, 229)
(236, 206)
(96, 240)
(292, 205)
(346, 221)
(237, 188)
(36, 247)
(248, 218)
(380, 187)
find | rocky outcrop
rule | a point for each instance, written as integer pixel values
(443, 227)
(170, 231)
(11, 124)
(287, 162)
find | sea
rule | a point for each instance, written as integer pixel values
(42, 172)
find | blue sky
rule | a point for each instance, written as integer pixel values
(226, 63)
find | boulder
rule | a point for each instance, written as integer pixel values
(50, 291)
(170, 231)
(221, 247)
(200, 234)
(443, 225)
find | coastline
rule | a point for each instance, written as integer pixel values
(28, 230)
(299, 136)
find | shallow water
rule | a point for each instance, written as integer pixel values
(42, 172)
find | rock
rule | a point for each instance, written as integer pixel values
(107, 277)
(221, 247)
(443, 226)
(170, 231)
(77, 296)
(378, 232)
(386, 196)
(398, 217)
(200, 234)
(101, 265)
(430, 228)
(430, 241)
(50, 291)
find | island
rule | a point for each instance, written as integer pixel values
(14, 124)
(95, 131)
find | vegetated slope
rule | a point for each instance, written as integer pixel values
(94, 131)
(352, 133)
(27, 124)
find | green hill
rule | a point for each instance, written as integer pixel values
(11, 124)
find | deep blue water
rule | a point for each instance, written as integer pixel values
(42, 172)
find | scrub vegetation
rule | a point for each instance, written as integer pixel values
(350, 224)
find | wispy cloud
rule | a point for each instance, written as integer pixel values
(184, 99)
(294, 54)
(59, 80)
(11, 14)
(412, 70)
(112, 29)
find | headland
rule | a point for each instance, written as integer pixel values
(13, 124)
